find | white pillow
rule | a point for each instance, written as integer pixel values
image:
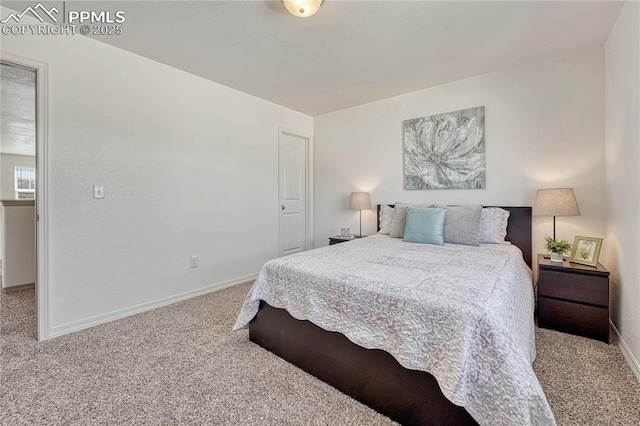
(493, 225)
(386, 218)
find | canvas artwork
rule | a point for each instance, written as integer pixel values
(445, 151)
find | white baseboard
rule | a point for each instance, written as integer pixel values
(123, 313)
(18, 287)
(631, 360)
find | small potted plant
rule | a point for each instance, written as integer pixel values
(557, 248)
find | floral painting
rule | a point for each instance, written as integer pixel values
(586, 250)
(445, 151)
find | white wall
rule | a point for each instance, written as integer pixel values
(8, 164)
(544, 128)
(190, 167)
(622, 177)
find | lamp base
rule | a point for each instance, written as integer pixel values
(547, 256)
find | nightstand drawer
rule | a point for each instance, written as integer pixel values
(574, 287)
(575, 318)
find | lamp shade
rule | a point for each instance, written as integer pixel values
(556, 202)
(360, 201)
(302, 8)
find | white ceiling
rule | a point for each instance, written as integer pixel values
(353, 52)
(347, 54)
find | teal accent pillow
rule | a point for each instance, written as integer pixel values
(425, 225)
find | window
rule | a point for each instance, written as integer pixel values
(25, 183)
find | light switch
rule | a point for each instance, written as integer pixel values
(98, 191)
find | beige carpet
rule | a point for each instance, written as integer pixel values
(182, 365)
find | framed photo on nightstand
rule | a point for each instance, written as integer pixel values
(586, 250)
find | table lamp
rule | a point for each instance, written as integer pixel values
(556, 202)
(360, 201)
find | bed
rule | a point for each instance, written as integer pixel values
(389, 363)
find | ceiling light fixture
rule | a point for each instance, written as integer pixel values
(302, 8)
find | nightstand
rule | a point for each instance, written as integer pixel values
(338, 240)
(573, 298)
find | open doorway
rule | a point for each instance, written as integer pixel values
(17, 196)
(24, 253)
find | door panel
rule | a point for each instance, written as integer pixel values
(293, 176)
(292, 222)
(293, 193)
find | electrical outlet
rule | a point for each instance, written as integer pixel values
(194, 261)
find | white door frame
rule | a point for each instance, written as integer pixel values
(309, 187)
(42, 189)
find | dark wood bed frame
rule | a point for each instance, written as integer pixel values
(371, 376)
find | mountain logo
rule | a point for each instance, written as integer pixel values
(34, 12)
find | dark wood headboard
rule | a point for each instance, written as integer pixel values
(518, 229)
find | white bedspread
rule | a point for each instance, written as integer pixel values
(463, 314)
